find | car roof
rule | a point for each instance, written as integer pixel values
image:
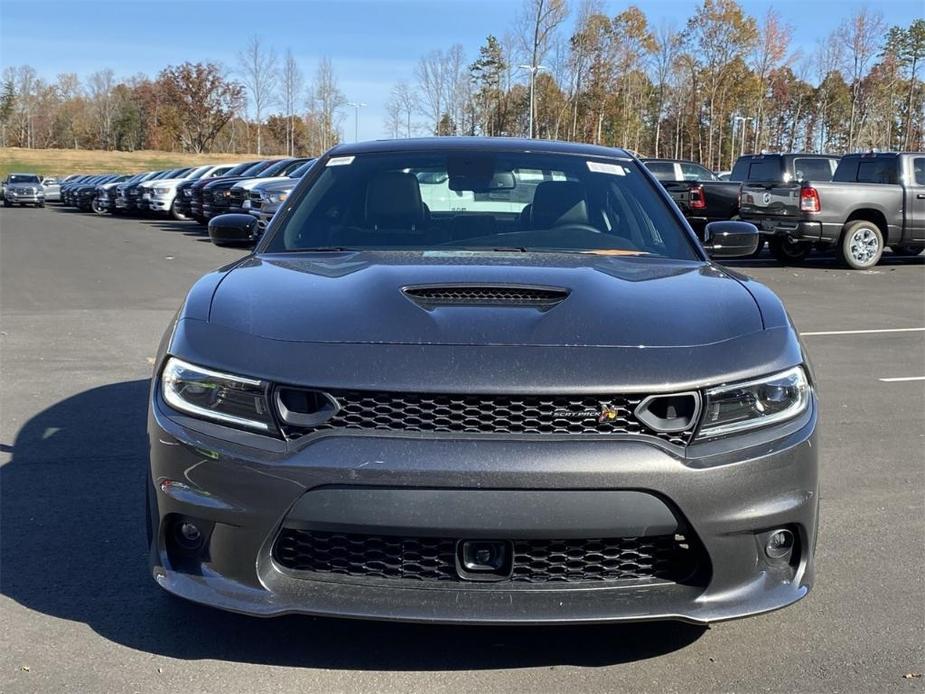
(487, 144)
(789, 154)
(646, 160)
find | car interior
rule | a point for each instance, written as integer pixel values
(500, 207)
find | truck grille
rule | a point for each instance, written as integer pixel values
(488, 414)
(670, 558)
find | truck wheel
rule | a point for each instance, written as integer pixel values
(907, 250)
(861, 245)
(788, 251)
(759, 248)
(176, 214)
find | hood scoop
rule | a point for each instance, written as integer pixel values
(522, 296)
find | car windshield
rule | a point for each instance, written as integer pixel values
(257, 168)
(198, 173)
(299, 172)
(240, 168)
(23, 178)
(483, 200)
(276, 168)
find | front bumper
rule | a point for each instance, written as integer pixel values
(24, 198)
(727, 499)
(160, 203)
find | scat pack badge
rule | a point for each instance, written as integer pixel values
(603, 414)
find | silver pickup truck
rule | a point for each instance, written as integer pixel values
(875, 200)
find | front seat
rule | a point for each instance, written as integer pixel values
(393, 201)
(558, 203)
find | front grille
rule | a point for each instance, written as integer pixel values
(489, 414)
(672, 558)
(485, 295)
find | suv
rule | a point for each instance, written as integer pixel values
(875, 200)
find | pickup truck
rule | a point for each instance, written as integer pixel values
(697, 191)
(875, 200)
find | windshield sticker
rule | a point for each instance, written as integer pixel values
(599, 167)
(340, 161)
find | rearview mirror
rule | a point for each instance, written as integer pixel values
(730, 239)
(234, 230)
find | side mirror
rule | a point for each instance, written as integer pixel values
(234, 230)
(730, 239)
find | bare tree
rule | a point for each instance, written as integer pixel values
(769, 52)
(400, 109)
(292, 87)
(667, 41)
(258, 70)
(861, 34)
(430, 74)
(101, 86)
(326, 102)
(539, 21)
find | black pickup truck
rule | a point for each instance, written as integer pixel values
(874, 200)
(697, 191)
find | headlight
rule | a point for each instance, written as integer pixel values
(161, 191)
(754, 404)
(278, 197)
(226, 193)
(232, 400)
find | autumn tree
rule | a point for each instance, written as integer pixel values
(718, 34)
(203, 101)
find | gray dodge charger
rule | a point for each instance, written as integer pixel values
(482, 380)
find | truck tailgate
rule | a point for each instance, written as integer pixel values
(772, 200)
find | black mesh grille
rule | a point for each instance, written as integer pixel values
(489, 414)
(663, 557)
(480, 295)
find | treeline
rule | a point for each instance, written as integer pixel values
(262, 104)
(721, 83)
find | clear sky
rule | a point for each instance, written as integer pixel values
(372, 43)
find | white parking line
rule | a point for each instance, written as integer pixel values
(901, 379)
(863, 332)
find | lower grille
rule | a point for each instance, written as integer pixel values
(671, 558)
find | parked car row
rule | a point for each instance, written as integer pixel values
(195, 193)
(858, 204)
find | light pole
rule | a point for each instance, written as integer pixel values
(533, 69)
(357, 105)
(732, 147)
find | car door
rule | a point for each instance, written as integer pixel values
(915, 197)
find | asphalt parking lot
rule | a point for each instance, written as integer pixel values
(84, 301)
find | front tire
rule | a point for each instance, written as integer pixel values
(787, 251)
(861, 245)
(176, 214)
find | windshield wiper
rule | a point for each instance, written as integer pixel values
(321, 249)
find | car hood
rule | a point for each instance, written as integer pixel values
(251, 184)
(358, 297)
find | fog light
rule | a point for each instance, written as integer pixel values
(188, 535)
(780, 544)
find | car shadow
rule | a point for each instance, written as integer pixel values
(73, 547)
(820, 261)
